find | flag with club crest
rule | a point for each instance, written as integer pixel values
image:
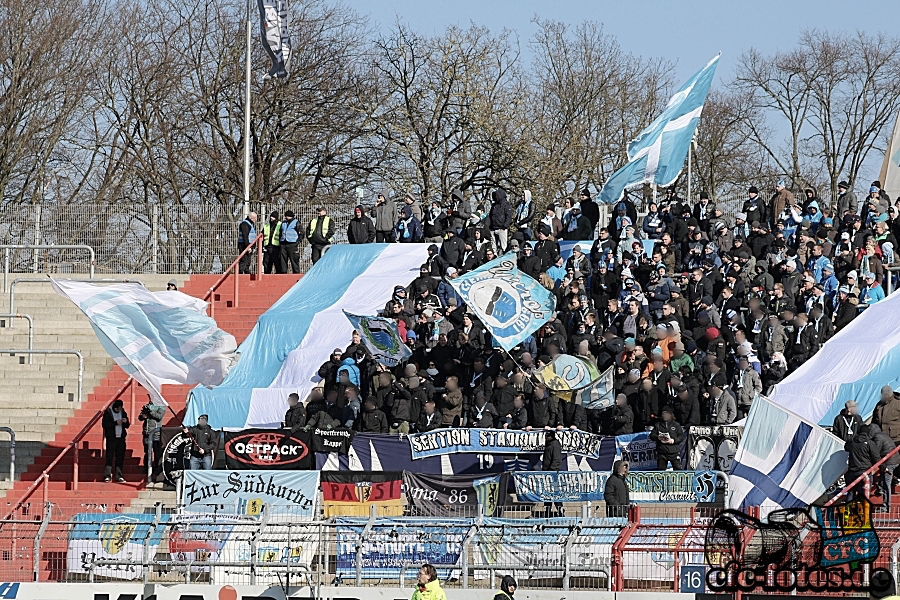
(382, 339)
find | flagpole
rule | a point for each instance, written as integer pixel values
(246, 204)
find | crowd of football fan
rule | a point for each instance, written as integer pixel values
(696, 312)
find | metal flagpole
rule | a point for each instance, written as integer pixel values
(246, 204)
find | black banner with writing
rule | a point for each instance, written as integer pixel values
(268, 449)
(331, 440)
(439, 495)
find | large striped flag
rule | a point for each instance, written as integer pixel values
(157, 338)
(782, 460)
(657, 155)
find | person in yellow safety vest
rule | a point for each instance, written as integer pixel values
(427, 585)
(507, 588)
(272, 259)
(319, 233)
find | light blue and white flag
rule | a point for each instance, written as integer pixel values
(157, 338)
(657, 155)
(782, 460)
(382, 339)
(511, 304)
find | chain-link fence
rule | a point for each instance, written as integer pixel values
(131, 238)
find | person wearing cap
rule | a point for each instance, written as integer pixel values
(328, 371)
(703, 211)
(115, 425)
(319, 233)
(846, 423)
(273, 261)
(289, 240)
(360, 229)
(445, 289)
(384, 212)
(846, 202)
(747, 385)
(172, 286)
(725, 237)
(668, 435)
(846, 307)
(453, 249)
(203, 444)
(754, 207)
(871, 293)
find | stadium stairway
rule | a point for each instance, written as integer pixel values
(35, 401)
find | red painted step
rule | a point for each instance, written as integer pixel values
(255, 297)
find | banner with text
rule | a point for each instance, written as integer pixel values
(501, 441)
(440, 495)
(712, 448)
(392, 543)
(254, 449)
(288, 493)
(643, 486)
(331, 440)
(353, 493)
(638, 449)
(112, 537)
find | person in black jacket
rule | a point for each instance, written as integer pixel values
(499, 219)
(571, 415)
(482, 414)
(883, 445)
(429, 419)
(846, 423)
(622, 419)
(542, 408)
(529, 263)
(204, 443)
(615, 494)
(115, 429)
(687, 407)
(328, 370)
(361, 229)
(862, 456)
(371, 420)
(552, 461)
(668, 436)
(453, 249)
(295, 417)
(590, 210)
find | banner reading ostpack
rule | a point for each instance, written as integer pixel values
(500, 441)
(638, 450)
(643, 486)
(331, 440)
(436, 495)
(268, 449)
(353, 493)
(291, 493)
(712, 448)
(396, 542)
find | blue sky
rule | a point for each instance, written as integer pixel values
(687, 32)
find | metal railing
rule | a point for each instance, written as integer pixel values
(13, 352)
(12, 451)
(36, 247)
(18, 280)
(44, 478)
(234, 269)
(30, 329)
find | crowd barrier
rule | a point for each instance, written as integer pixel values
(656, 549)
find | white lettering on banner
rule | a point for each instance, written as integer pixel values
(264, 449)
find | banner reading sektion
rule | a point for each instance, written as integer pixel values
(291, 493)
(353, 493)
(391, 544)
(254, 449)
(638, 450)
(712, 448)
(500, 441)
(331, 440)
(439, 495)
(643, 486)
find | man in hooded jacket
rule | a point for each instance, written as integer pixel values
(499, 219)
(616, 494)
(361, 229)
(508, 587)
